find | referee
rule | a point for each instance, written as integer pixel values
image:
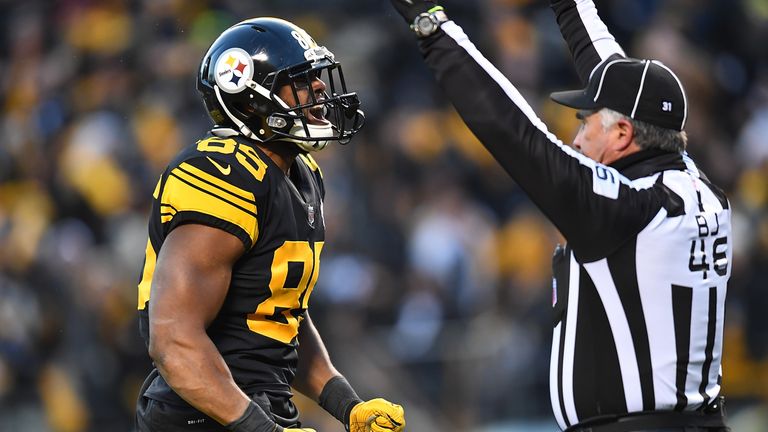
(639, 290)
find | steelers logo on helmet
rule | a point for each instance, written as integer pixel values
(233, 70)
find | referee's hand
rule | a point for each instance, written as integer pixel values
(410, 9)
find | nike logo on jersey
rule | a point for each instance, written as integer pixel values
(224, 170)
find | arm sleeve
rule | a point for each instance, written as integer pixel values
(587, 36)
(195, 192)
(584, 199)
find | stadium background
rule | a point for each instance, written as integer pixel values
(435, 285)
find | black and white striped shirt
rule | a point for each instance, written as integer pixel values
(640, 329)
(640, 287)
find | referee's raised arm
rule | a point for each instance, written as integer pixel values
(588, 38)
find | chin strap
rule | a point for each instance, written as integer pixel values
(315, 131)
(224, 132)
(243, 128)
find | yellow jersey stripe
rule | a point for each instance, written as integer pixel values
(248, 206)
(214, 188)
(150, 258)
(156, 193)
(168, 208)
(167, 212)
(221, 184)
(183, 195)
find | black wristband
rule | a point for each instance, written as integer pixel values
(338, 398)
(254, 419)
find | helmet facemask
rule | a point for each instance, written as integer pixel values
(333, 115)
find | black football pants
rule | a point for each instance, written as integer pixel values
(158, 416)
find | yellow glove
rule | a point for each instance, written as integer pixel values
(376, 415)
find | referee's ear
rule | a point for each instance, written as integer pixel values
(623, 135)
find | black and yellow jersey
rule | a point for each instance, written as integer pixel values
(229, 183)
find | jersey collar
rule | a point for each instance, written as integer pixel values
(648, 162)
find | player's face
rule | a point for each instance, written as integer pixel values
(304, 92)
(592, 140)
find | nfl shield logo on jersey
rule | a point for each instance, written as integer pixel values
(311, 215)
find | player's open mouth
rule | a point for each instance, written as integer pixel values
(317, 115)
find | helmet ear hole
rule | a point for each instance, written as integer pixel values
(244, 110)
(260, 109)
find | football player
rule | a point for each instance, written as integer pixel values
(235, 236)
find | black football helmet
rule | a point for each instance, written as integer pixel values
(247, 65)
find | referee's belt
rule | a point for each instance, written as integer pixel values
(712, 418)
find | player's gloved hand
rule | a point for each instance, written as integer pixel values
(376, 415)
(410, 9)
(254, 419)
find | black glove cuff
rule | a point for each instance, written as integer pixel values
(338, 398)
(254, 419)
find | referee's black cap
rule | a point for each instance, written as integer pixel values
(644, 90)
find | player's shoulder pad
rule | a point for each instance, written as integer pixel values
(232, 160)
(219, 182)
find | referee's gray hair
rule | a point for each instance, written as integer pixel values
(648, 136)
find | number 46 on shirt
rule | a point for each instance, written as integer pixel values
(709, 228)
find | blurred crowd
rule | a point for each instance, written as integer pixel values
(435, 289)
